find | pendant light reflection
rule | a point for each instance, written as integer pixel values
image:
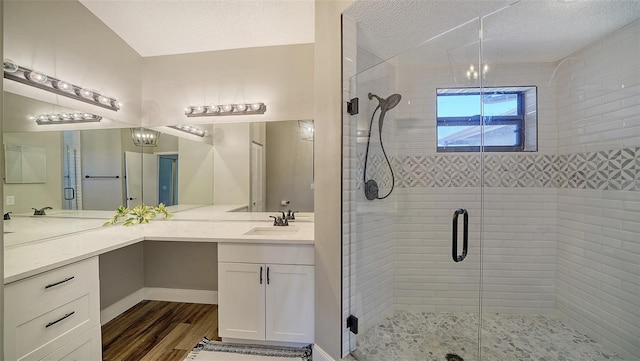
(143, 137)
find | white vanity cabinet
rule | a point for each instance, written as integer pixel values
(54, 315)
(266, 292)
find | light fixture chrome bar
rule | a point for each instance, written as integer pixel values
(23, 75)
(64, 118)
(190, 129)
(225, 109)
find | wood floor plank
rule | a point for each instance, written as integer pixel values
(155, 330)
(206, 326)
(167, 344)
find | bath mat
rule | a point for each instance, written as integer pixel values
(207, 350)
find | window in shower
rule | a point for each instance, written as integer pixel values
(502, 119)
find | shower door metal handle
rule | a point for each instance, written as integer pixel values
(465, 235)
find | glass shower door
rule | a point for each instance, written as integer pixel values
(413, 192)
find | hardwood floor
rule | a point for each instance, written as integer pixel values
(158, 331)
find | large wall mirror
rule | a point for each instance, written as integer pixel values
(266, 166)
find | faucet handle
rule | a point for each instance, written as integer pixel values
(40, 212)
(292, 215)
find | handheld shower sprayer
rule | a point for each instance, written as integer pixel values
(371, 188)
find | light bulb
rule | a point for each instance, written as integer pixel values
(63, 85)
(66, 116)
(214, 109)
(43, 117)
(471, 67)
(54, 117)
(256, 106)
(9, 66)
(241, 107)
(188, 110)
(227, 108)
(87, 116)
(104, 100)
(198, 110)
(37, 77)
(32, 118)
(77, 116)
(116, 103)
(85, 93)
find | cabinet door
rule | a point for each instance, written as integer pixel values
(290, 311)
(241, 300)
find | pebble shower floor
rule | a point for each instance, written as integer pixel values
(413, 336)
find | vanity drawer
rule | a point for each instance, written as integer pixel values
(46, 311)
(40, 335)
(51, 289)
(300, 254)
(88, 346)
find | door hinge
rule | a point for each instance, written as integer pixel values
(352, 324)
(352, 106)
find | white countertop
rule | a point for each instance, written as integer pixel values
(40, 256)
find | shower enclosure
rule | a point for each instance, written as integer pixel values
(511, 229)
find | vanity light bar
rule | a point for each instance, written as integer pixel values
(190, 129)
(27, 76)
(64, 118)
(225, 109)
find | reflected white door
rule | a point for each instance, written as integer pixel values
(257, 177)
(133, 169)
(142, 178)
(150, 179)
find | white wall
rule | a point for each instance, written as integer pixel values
(231, 163)
(328, 109)
(599, 200)
(195, 172)
(38, 195)
(279, 76)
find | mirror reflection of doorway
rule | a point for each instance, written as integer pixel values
(168, 179)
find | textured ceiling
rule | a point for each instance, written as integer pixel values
(527, 31)
(163, 27)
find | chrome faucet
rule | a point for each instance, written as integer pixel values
(280, 221)
(40, 212)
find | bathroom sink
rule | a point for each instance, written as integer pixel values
(272, 231)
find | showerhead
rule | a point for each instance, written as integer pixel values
(385, 104)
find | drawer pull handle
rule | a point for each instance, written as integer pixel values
(59, 282)
(60, 319)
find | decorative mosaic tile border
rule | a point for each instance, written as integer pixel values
(617, 169)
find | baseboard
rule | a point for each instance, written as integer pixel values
(320, 355)
(157, 294)
(122, 305)
(181, 295)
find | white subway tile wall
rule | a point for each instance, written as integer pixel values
(598, 236)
